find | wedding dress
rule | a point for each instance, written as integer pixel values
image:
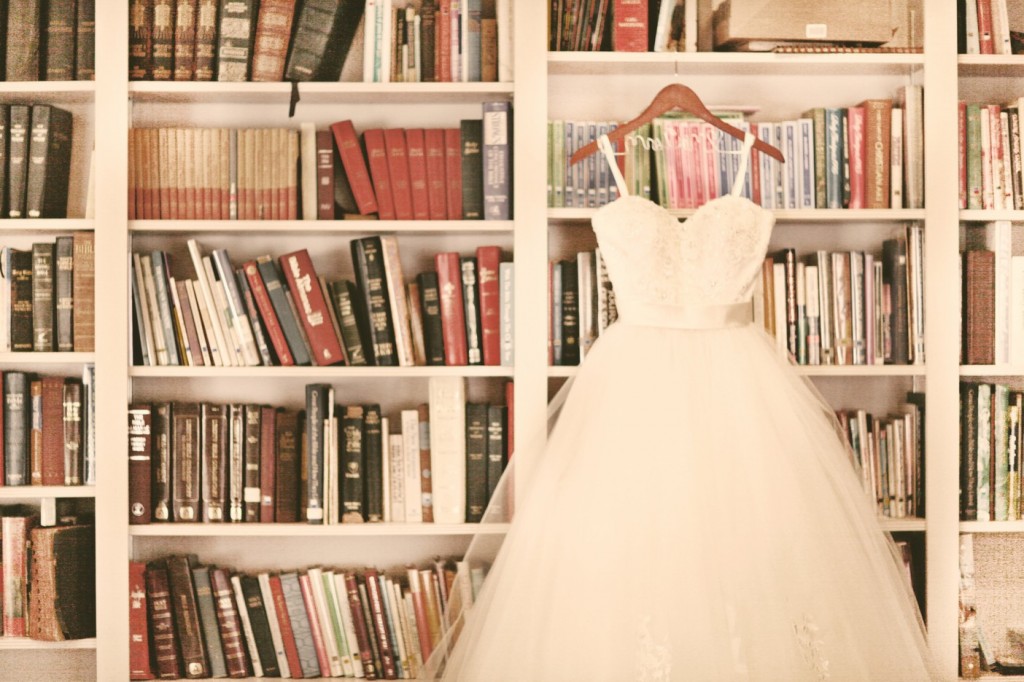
(694, 514)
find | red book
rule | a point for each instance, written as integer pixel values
(629, 29)
(268, 459)
(352, 159)
(138, 623)
(435, 171)
(380, 625)
(420, 611)
(377, 160)
(453, 317)
(314, 621)
(311, 307)
(360, 626)
(325, 175)
(453, 171)
(284, 623)
(986, 41)
(415, 144)
(857, 154)
(398, 172)
(53, 433)
(270, 322)
(229, 624)
(161, 620)
(13, 551)
(488, 258)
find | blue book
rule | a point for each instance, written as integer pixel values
(834, 164)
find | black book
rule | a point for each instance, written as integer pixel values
(140, 40)
(162, 39)
(471, 135)
(3, 51)
(85, 41)
(917, 399)
(49, 163)
(373, 472)
(497, 425)
(235, 40)
(17, 159)
(17, 419)
(259, 623)
(968, 452)
(894, 275)
(61, 25)
(324, 30)
(213, 421)
(42, 297)
(570, 313)
(5, 125)
(319, 399)
(430, 306)
(161, 461)
(476, 461)
(280, 299)
(428, 37)
(24, 22)
(352, 319)
(353, 463)
(471, 310)
(64, 293)
(140, 461)
(368, 262)
(251, 493)
(20, 275)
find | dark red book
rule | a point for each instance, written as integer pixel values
(488, 259)
(325, 175)
(230, 626)
(629, 26)
(186, 617)
(314, 622)
(273, 33)
(360, 626)
(261, 297)
(433, 140)
(312, 307)
(354, 163)
(380, 624)
(268, 461)
(453, 319)
(140, 447)
(284, 624)
(416, 152)
(286, 483)
(377, 160)
(453, 172)
(139, 667)
(161, 622)
(398, 172)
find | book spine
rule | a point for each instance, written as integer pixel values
(184, 40)
(453, 318)
(71, 436)
(186, 617)
(471, 309)
(163, 39)
(252, 491)
(380, 174)
(294, 666)
(471, 140)
(206, 39)
(228, 623)
(59, 56)
(268, 462)
(42, 297)
(260, 625)
(324, 175)
(185, 488)
(281, 302)
(453, 172)
(394, 279)
(300, 621)
(286, 483)
(17, 159)
(139, 666)
(140, 422)
(234, 47)
(497, 161)
(397, 157)
(497, 421)
(210, 628)
(302, 281)
(164, 636)
(430, 305)
(83, 278)
(353, 323)
(24, 51)
(64, 293)
(140, 40)
(373, 459)
(273, 34)
(476, 461)
(213, 464)
(380, 627)
(877, 138)
(5, 127)
(371, 281)
(234, 478)
(448, 448)
(355, 166)
(353, 486)
(418, 178)
(488, 264)
(161, 506)
(317, 401)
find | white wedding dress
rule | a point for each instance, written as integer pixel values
(694, 514)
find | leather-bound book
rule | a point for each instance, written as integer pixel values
(139, 664)
(140, 447)
(140, 40)
(323, 36)
(235, 657)
(471, 133)
(273, 36)
(353, 321)
(59, 58)
(208, 620)
(286, 482)
(73, 435)
(213, 468)
(453, 321)
(476, 461)
(162, 38)
(85, 41)
(164, 635)
(979, 307)
(63, 289)
(83, 292)
(206, 39)
(185, 12)
(368, 263)
(430, 310)
(23, 39)
(162, 465)
(20, 122)
(260, 625)
(237, 29)
(49, 165)
(186, 617)
(185, 479)
(298, 271)
(42, 297)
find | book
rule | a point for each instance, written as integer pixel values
(373, 463)
(63, 293)
(353, 463)
(43, 297)
(430, 310)
(319, 403)
(185, 472)
(209, 625)
(979, 307)
(61, 22)
(448, 448)
(23, 40)
(300, 622)
(186, 616)
(471, 309)
(380, 173)
(298, 271)
(271, 39)
(323, 37)
(352, 320)
(234, 476)
(371, 282)
(235, 41)
(877, 137)
(453, 172)
(630, 26)
(419, 179)
(259, 624)
(452, 311)
(184, 52)
(139, 666)
(397, 156)
(49, 162)
(19, 131)
(228, 623)
(496, 160)
(356, 169)
(213, 455)
(472, 177)
(15, 529)
(16, 422)
(83, 277)
(476, 461)
(161, 508)
(163, 634)
(206, 39)
(140, 445)
(281, 301)
(292, 666)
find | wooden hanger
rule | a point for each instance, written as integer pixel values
(675, 96)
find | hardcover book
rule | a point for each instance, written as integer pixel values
(353, 463)
(23, 49)
(20, 124)
(163, 633)
(471, 139)
(213, 452)
(140, 445)
(83, 293)
(497, 160)
(16, 422)
(210, 628)
(286, 483)
(229, 625)
(272, 38)
(356, 170)
(371, 282)
(237, 29)
(323, 36)
(162, 467)
(448, 448)
(61, 25)
(298, 271)
(185, 487)
(139, 666)
(476, 461)
(186, 617)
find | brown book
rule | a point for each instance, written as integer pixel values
(85, 41)
(252, 453)
(286, 483)
(161, 506)
(426, 490)
(59, 58)
(206, 39)
(979, 284)
(23, 39)
(139, 665)
(186, 616)
(140, 446)
(183, 307)
(161, 622)
(268, 462)
(488, 260)
(877, 140)
(185, 434)
(72, 432)
(230, 626)
(355, 166)
(35, 442)
(163, 39)
(273, 34)
(83, 292)
(49, 163)
(140, 40)
(380, 624)
(214, 449)
(62, 598)
(304, 286)
(362, 628)
(52, 436)
(489, 50)
(453, 172)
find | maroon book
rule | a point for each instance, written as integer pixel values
(229, 624)
(261, 297)
(360, 626)
(268, 457)
(161, 622)
(324, 175)
(453, 317)
(433, 144)
(140, 448)
(377, 160)
(286, 480)
(380, 624)
(415, 147)
(53, 433)
(453, 172)
(398, 171)
(488, 259)
(354, 163)
(138, 623)
(312, 307)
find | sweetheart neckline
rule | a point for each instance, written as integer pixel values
(668, 211)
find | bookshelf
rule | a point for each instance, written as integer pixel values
(547, 85)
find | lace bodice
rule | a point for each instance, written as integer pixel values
(712, 258)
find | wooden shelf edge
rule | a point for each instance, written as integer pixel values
(15, 643)
(364, 530)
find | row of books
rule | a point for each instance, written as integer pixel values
(846, 307)
(281, 312)
(319, 40)
(992, 324)
(985, 28)
(35, 160)
(864, 156)
(634, 26)
(438, 462)
(48, 576)
(49, 429)
(52, 40)
(990, 432)
(459, 173)
(889, 454)
(195, 620)
(990, 156)
(47, 298)
(581, 305)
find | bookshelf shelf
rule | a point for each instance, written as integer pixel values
(991, 370)
(989, 215)
(54, 92)
(992, 526)
(811, 371)
(35, 492)
(298, 228)
(44, 225)
(14, 643)
(316, 93)
(320, 373)
(902, 525)
(817, 215)
(305, 529)
(56, 363)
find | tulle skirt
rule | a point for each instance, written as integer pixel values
(693, 516)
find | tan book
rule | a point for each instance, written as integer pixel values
(273, 33)
(83, 292)
(877, 166)
(291, 165)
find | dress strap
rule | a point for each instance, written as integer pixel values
(609, 153)
(741, 174)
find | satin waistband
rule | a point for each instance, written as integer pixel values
(688, 317)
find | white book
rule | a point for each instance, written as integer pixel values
(585, 301)
(197, 317)
(779, 294)
(971, 27)
(911, 99)
(216, 357)
(275, 625)
(179, 320)
(915, 271)
(448, 448)
(396, 478)
(395, 280)
(857, 306)
(801, 313)
(896, 159)
(880, 302)
(396, 610)
(316, 584)
(813, 314)
(307, 136)
(161, 353)
(146, 332)
(385, 468)
(206, 293)
(221, 314)
(790, 171)
(1000, 28)
(663, 28)
(506, 315)
(243, 615)
(224, 271)
(870, 349)
(825, 327)
(411, 455)
(333, 601)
